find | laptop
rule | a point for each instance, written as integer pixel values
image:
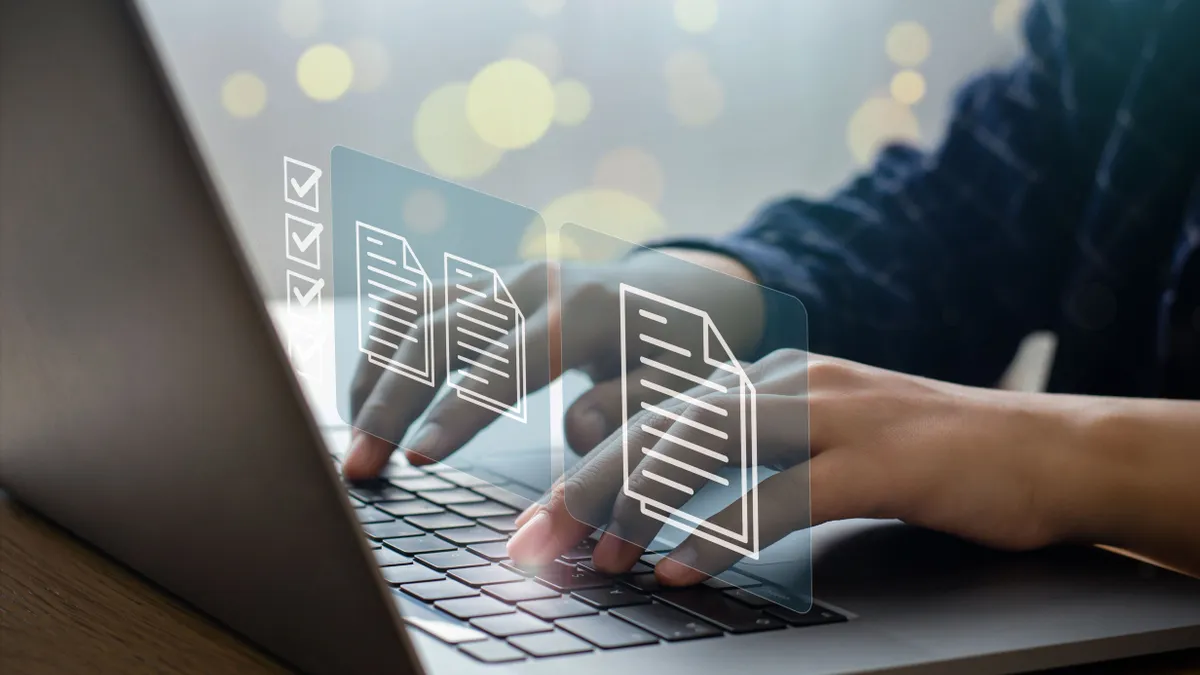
(147, 406)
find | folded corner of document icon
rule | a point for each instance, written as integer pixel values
(485, 339)
(394, 292)
(657, 320)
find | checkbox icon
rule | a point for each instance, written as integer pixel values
(304, 296)
(301, 184)
(303, 241)
(306, 349)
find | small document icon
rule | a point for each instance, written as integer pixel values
(649, 323)
(483, 316)
(394, 293)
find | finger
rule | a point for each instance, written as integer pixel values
(548, 530)
(842, 486)
(599, 412)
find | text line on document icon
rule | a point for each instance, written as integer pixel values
(485, 339)
(394, 295)
(669, 351)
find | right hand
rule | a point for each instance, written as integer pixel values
(385, 404)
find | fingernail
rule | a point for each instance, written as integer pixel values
(677, 569)
(530, 545)
(614, 555)
(364, 459)
(592, 426)
(527, 513)
(425, 446)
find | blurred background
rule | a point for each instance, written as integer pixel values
(641, 118)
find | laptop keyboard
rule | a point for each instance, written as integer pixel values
(439, 536)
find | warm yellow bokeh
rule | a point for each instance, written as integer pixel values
(696, 101)
(324, 72)
(544, 8)
(908, 87)
(243, 94)
(424, 210)
(908, 44)
(1006, 16)
(445, 139)
(371, 63)
(538, 49)
(633, 171)
(612, 212)
(510, 104)
(696, 16)
(300, 18)
(572, 103)
(878, 122)
(535, 245)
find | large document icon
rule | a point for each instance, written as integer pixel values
(653, 324)
(485, 338)
(394, 293)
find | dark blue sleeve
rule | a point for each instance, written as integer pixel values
(939, 264)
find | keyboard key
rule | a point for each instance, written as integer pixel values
(409, 574)
(432, 591)
(455, 496)
(439, 521)
(519, 592)
(378, 491)
(401, 470)
(462, 478)
(552, 609)
(550, 644)
(493, 651)
(817, 616)
(720, 610)
(486, 509)
(385, 557)
(422, 483)
(492, 550)
(507, 625)
(368, 515)
(639, 567)
(509, 499)
(506, 524)
(643, 582)
(470, 608)
(748, 598)
(652, 559)
(413, 507)
(446, 631)
(395, 528)
(567, 577)
(666, 622)
(485, 576)
(451, 560)
(615, 596)
(440, 468)
(606, 632)
(580, 551)
(411, 546)
(471, 535)
(731, 579)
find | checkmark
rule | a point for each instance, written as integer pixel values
(302, 190)
(313, 292)
(301, 184)
(304, 243)
(303, 240)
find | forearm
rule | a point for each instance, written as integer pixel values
(1132, 477)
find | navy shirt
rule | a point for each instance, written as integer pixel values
(1065, 197)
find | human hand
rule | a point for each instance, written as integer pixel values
(385, 404)
(981, 464)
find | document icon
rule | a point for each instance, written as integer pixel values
(649, 324)
(485, 338)
(394, 293)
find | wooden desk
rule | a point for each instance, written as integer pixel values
(67, 609)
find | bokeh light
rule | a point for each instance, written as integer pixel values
(324, 72)
(613, 212)
(445, 139)
(697, 101)
(631, 170)
(510, 104)
(1006, 15)
(686, 63)
(696, 16)
(300, 18)
(908, 44)
(572, 103)
(243, 94)
(544, 8)
(878, 122)
(371, 63)
(540, 50)
(536, 246)
(908, 87)
(424, 210)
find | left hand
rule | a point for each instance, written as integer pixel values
(982, 464)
